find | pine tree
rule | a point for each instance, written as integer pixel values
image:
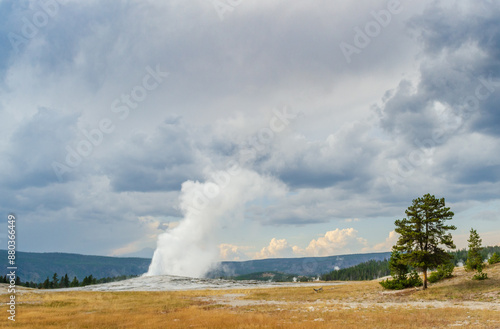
(74, 283)
(46, 284)
(495, 258)
(422, 233)
(55, 281)
(399, 269)
(66, 281)
(474, 258)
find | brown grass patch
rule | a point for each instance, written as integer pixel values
(455, 302)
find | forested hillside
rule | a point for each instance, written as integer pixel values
(365, 271)
(307, 266)
(37, 267)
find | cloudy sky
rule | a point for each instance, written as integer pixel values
(316, 122)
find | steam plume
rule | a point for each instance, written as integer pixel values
(190, 248)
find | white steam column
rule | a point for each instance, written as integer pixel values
(191, 248)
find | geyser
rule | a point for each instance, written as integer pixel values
(191, 248)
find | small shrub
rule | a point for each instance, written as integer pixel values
(413, 280)
(392, 284)
(434, 277)
(480, 276)
(442, 272)
(495, 258)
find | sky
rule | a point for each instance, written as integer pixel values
(289, 128)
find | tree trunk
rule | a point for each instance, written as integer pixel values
(425, 278)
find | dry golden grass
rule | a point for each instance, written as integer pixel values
(455, 302)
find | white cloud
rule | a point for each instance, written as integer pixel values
(231, 252)
(331, 243)
(130, 248)
(386, 245)
(335, 242)
(277, 248)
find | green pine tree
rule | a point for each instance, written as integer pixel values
(74, 283)
(399, 269)
(474, 258)
(422, 232)
(46, 284)
(64, 281)
(495, 258)
(55, 281)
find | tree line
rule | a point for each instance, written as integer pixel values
(364, 271)
(64, 281)
(460, 256)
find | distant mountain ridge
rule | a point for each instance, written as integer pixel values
(308, 266)
(37, 267)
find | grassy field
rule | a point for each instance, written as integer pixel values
(456, 302)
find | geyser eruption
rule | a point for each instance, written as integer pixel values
(191, 248)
